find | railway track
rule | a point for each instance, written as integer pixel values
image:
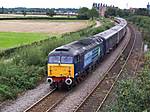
(47, 102)
(53, 98)
(139, 57)
(95, 100)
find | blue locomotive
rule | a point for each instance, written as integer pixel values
(66, 64)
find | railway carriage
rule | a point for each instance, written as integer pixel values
(66, 64)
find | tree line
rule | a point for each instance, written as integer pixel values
(82, 13)
(114, 11)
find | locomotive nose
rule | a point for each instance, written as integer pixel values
(50, 80)
(68, 81)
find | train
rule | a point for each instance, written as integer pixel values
(68, 63)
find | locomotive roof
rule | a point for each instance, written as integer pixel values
(76, 47)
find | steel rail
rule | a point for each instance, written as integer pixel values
(55, 104)
(138, 61)
(36, 103)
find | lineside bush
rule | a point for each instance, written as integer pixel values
(17, 78)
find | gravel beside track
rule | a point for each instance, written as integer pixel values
(48, 102)
(135, 60)
(26, 100)
(70, 103)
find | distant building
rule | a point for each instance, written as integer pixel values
(101, 8)
(2, 10)
(133, 10)
(148, 6)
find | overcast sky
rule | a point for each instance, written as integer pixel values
(71, 3)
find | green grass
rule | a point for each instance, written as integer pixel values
(14, 39)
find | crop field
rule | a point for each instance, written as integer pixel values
(43, 26)
(19, 32)
(30, 15)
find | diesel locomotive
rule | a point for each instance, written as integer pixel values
(67, 63)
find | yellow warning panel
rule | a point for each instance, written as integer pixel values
(61, 70)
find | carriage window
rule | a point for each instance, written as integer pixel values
(54, 59)
(66, 59)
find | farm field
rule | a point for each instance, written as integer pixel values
(43, 26)
(19, 32)
(30, 15)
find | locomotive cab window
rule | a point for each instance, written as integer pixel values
(66, 59)
(54, 59)
(60, 59)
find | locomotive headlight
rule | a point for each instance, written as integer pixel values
(50, 80)
(68, 81)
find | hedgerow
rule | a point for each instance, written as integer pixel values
(133, 95)
(143, 22)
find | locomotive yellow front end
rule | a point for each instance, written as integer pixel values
(60, 70)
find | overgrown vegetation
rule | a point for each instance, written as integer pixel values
(114, 12)
(125, 13)
(143, 22)
(24, 68)
(85, 13)
(133, 94)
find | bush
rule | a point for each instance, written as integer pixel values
(133, 95)
(15, 79)
(32, 56)
(6, 92)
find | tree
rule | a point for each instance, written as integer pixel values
(93, 13)
(2, 10)
(111, 11)
(142, 11)
(114, 11)
(24, 13)
(50, 12)
(83, 13)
